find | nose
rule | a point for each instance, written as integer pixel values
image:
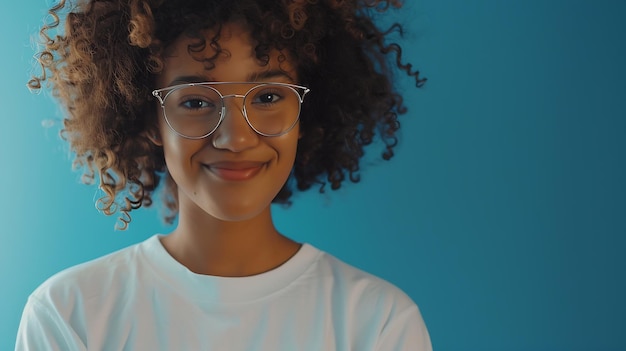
(234, 133)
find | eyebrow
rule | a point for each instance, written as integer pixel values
(271, 74)
(253, 77)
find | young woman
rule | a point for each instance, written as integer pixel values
(228, 104)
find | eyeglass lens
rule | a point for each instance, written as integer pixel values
(195, 111)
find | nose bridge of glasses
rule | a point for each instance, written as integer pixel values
(233, 96)
(241, 107)
(233, 125)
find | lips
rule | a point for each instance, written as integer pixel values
(236, 171)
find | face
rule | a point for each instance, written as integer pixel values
(234, 173)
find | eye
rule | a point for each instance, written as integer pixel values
(196, 104)
(267, 97)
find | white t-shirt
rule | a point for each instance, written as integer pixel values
(140, 298)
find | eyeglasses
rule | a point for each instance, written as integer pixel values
(195, 110)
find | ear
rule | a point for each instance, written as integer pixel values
(154, 137)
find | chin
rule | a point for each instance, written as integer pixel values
(238, 212)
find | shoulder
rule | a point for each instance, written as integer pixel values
(88, 280)
(377, 306)
(60, 312)
(362, 285)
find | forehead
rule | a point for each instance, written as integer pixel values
(227, 55)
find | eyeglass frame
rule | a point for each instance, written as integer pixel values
(157, 94)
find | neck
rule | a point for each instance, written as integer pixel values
(211, 246)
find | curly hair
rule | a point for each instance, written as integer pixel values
(101, 67)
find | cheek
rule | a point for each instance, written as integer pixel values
(178, 151)
(287, 152)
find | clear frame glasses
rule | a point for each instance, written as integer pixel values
(196, 110)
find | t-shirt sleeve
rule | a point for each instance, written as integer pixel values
(42, 328)
(405, 332)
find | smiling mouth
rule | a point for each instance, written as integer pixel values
(235, 171)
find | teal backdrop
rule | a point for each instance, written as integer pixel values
(503, 214)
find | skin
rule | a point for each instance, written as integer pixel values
(225, 226)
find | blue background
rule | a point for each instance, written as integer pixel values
(503, 214)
